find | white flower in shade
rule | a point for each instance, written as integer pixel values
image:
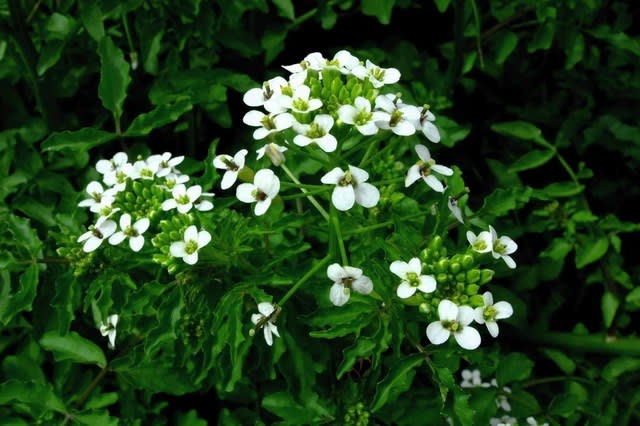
(183, 198)
(301, 100)
(490, 313)
(482, 243)
(502, 247)
(97, 233)
(232, 165)
(425, 124)
(396, 116)
(344, 279)
(267, 124)
(501, 400)
(424, 168)
(265, 187)
(472, 379)
(109, 329)
(317, 132)
(503, 421)
(267, 95)
(97, 196)
(531, 421)
(143, 169)
(173, 179)
(412, 278)
(454, 320)
(106, 167)
(274, 152)
(164, 164)
(376, 75)
(265, 320)
(188, 248)
(132, 232)
(360, 115)
(351, 187)
(455, 210)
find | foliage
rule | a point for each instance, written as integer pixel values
(535, 104)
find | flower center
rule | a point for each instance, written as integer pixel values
(231, 165)
(315, 131)
(96, 232)
(191, 246)
(347, 179)
(259, 195)
(413, 279)
(267, 123)
(377, 73)
(130, 231)
(347, 282)
(479, 245)
(498, 247)
(396, 117)
(452, 326)
(362, 117)
(287, 90)
(183, 199)
(97, 196)
(300, 104)
(106, 210)
(490, 313)
(121, 176)
(146, 173)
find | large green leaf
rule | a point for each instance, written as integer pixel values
(78, 140)
(381, 9)
(397, 376)
(518, 129)
(114, 76)
(513, 367)
(158, 117)
(590, 251)
(40, 397)
(531, 160)
(73, 347)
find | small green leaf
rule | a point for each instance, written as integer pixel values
(619, 366)
(362, 348)
(518, 129)
(505, 44)
(158, 117)
(59, 26)
(558, 190)
(285, 8)
(563, 405)
(95, 418)
(49, 56)
(442, 5)
(618, 40)
(574, 49)
(502, 201)
(591, 251)
(381, 9)
(114, 76)
(558, 249)
(461, 408)
(78, 140)
(543, 37)
(91, 17)
(395, 377)
(531, 160)
(633, 297)
(564, 363)
(609, 304)
(513, 368)
(73, 347)
(21, 300)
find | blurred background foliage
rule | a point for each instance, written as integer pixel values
(538, 101)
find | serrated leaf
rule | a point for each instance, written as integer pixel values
(73, 347)
(78, 140)
(21, 300)
(396, 376)
(114, 76)
(41, 396)
(531, 160)
(158, 117)
(591, 251)
(381, 9)
(609, 305)
(169, 313)
(513, 367)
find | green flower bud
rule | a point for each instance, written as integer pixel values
(461, 277)
(356, 91)
(424, 308)
(425, 255)
(477, 301)
(485, 276)
(467, 261)
(443, 252)
(472, 289)
(455, 267)
(463, 298)
(443, 265)
(442, 278)
(344, 96)
(473, 276)
(436, 242)
(245, 174)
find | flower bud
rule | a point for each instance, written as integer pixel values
(473, 276)
(485, 276)
(472, 289)
(467, 261)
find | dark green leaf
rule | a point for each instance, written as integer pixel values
(74, 347)
(563, 405)
(505, 44)
(285, 8)
(513, 367)
(574, 51)
(381, 9)
(362, 348)
(114, 76)
(30, 393)
(79, 140)
(558, 249)
(59, 26)
(618, 40)
(518, 129)
(49, 56)
(609, 304)
(504, 201)
(96, 418)
(158, 117)
(531, 160)
(558, 190)
(590, 251)
(619, 366)
(91, 17)
(543, 37)
(442, 5)
(564, 362)
(395, 377)
(21, 300)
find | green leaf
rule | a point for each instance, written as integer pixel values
(461, 408)
(39, 396)
(619, 366)
(633, 297)
(505, 44)
(49, 56)
(114, 76)
(574, 49)
(503, 201)
(59, 26)
(609, 304)
(62, 302)
(513, 368)
(169, 313)
(558, 190)
(518, 129)
(564, 363)
(618, 40)
(95, 418)
(396, 377)
(362, 348)
(158, 117)
(73, 347)
(531, 160)
(78, 140)
(558, 249)
(381, 9)
(21, 300)
(442, 5)
(91, 17)
(563, 405)
(285, 8)
(23, 367)
(591, 251)
(543, 37)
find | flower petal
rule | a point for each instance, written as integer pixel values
(343, 197)
(427, 284)
(363, 285)
(244, 192)
(203, 238)
(437, 334)
(434, 183)
(367, 195)
(336, 273)
(400, 268)
(468, 338)
(266, 308)
(136, 243)
(262, 206)
(465, 315)
(177, 249)
(447, 310)
(358, 174)
(191, 259)
(117, 238)
(405, 290)
(487, 297)
(333, 177)
(338, 294)
(504, 310)
(423, 153)
(413, 174)
(493, 328)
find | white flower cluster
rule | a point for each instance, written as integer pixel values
(105, 199)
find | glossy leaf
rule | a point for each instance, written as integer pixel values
(114, 76)
(73, 347)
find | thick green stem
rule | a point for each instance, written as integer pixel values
(311, 198)
(335, 222)
(304, 279)
(598, 343)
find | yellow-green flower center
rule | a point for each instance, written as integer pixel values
(489, 313)
(190, 246)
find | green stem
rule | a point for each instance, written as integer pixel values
(382, 151)
(544, 380)
(304, 279)
(476, 17)
(382, 224)
(598, 343)
(87, 392)
(311, 198)
(372, 146)
(335, 222)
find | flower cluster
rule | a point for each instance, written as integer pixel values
(131, 198)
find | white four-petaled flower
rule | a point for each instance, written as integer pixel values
(99, 198)
(183, 198)
(424, 168)
(97, 233)
(480, 243)
(164, 163)
(109, 329)
(274, 152)
(188, 248)
(267, 124)
(454, 320)
(491, 312)
(133, 232)
(351, 187)
(412, 278)
(360, 115)
(396, 116)
(317, 132)
(262, 191)
(376, 75)
(232, 165)
(502, 247)
(344, 279)
(264, 320)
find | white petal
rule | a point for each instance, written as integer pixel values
(244, 192)
(415, 266)
(343, 197)
(325, 121)
(327, 143)
(177, 249)
(254, 97)
(385, 103)
(204, 206)
(136, 243)
(405, 290)
(443, 170)
(94, 188)
(203, 238)
(253, 118)
(191, 233)
(478, 315)
(447, 310)
(273, 328)
(487, 297)
(434, 183)
(169, 204)
(268, 182)
(228, 179)
(504, 310)
(400, 268)
(403, 128)
(255, 318)
(333, 177)
(125, 221)
(338, 294)
(91, 244)
(266, 308)
(412, 175)
(362, 285)
(141, 225)
(184, 208)
(465, 315)
(302, 140)
(283, 121)
(368, 129)
(510, 245)
(267, 335)
(353, 272)
(194, 192)
(391, 75)
(471, 237)
(347, 113)
(437, 334)
(423, 153)
(358, 174)
(431, 131)
(219, 161)
(335, 272)
(427, 284)
(493, 328)
(367, 195)
(362, 104)
(107, 228)
(468, 338)
(116, 238)
(509, 261)
(262, 206)
(191, 259)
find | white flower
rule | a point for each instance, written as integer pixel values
(502, 248)
(144, 169)
(472, 379)
(482, 243)
(183, 198)
(456, 320)
(533, 422)
(265, 187)
(105, 167)
(133, 232)
(396, 116)
(351, 187)
(109, 329)
(274, 152)
(503, 421)
(204, 205)
(118, 179)
(490, 312)
(359, 114)
(376, 75)
(265, 320)
(412, 280)
(425, 123)
(317, 132)
(232, 165)
(99, 197)
(192, 242)
(173, 179)
(344, 279)
(314, 61)
(501, 400)
(267, 95)
(267, 124)
(455, 210)
(164, 164)
(97, 233)
(301, 100)
(424, 168)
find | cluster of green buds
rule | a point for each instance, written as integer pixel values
(356, 415)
